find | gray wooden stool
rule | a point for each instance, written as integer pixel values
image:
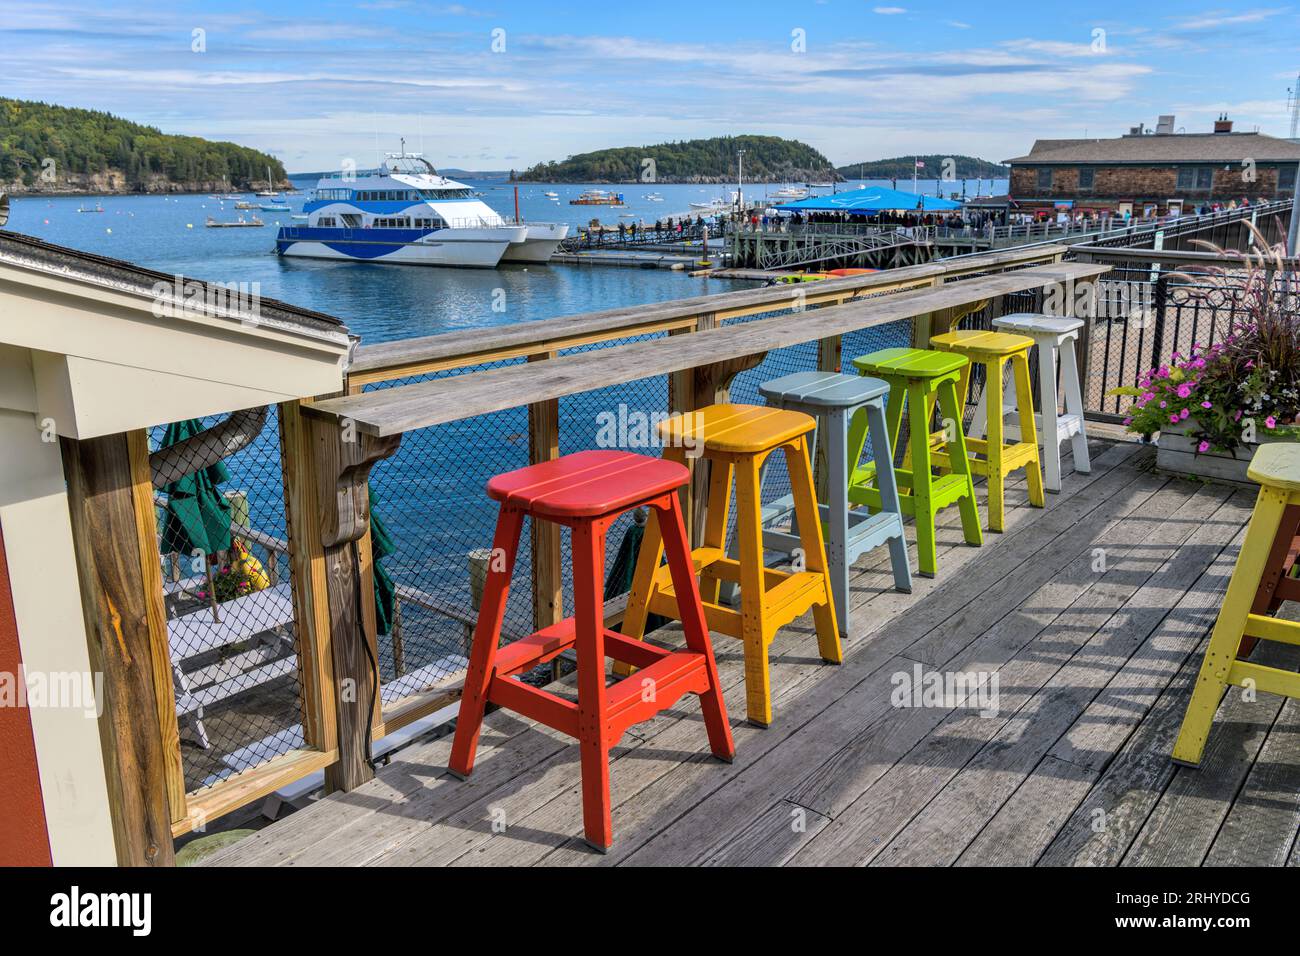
(846, 407)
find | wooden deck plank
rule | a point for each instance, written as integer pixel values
(1031, 817)
(1264, 820)
(1061, 610)
(1191, 811)
(828, 733)
(1101, 731)
(1132, 612)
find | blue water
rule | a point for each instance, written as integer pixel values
(384, 302)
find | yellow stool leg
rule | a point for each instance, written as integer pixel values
(644, 586)
(715, 522)
(1028, 430)
(749, 534)
(951, 407)
(996, 470)
(814, 546)
(1228, 629)
(918, 410)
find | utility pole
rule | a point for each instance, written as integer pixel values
(1293, 101)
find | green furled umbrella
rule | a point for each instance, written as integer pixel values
(619, 579)
(381, 546)
(197, 515)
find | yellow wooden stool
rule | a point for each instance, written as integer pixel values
(736, 439)
(994, 350)
(1277, 469)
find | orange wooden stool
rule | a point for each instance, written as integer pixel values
(736, 440)
(586, 492)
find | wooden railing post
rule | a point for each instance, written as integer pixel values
(830, 358)
(544, 445)
(109, 514)
(698, 388)
(342, 457)
(310, 590)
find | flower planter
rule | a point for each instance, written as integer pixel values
(1176, 452)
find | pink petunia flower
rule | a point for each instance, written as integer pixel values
(1203, 446)
(1270, 422)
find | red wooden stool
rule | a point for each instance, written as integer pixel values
(586, 492)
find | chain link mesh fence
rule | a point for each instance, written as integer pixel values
(228, 596)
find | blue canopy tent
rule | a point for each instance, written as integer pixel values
(869, 202)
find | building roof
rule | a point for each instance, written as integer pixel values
(29, 252)
(1163, 148)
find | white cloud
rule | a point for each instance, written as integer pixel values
(1213, 19)
(889, 11)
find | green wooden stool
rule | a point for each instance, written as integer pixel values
(922, 378)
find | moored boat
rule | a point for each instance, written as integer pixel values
(598, 197)
(406, 212)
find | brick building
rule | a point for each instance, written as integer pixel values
(1154, 173)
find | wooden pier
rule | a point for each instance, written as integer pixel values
(1094, 667)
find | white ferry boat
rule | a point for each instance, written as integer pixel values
(405, 212)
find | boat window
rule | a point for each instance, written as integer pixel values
(325, 221)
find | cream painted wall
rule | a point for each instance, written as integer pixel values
(51, 630)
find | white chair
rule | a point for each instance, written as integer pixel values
(1052, 335)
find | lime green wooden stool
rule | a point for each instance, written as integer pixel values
(922, 378)
(995, 350)
(1268, 536)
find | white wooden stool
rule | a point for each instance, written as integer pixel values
(1052, 334)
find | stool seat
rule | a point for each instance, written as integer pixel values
(1031, 323)
(735, 429)
(587, 483)
(824, 389)
(1276, 465)
(909, 363)
(982, 342)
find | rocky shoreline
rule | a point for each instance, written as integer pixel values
(112, 183)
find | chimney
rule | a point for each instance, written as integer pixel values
(1165, 125)
(1223, 124)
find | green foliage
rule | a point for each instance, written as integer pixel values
(767, 158)
(900, 167)
(88, 141)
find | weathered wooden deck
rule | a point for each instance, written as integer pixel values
(1092, 614)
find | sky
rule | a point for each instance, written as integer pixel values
(502, 85)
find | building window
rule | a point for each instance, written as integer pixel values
(1086, 174)
(1045, 177)
(1286, 179)
(1195, 178)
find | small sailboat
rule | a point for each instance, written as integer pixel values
(269, 192)
(275, 206)
(97, 208)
